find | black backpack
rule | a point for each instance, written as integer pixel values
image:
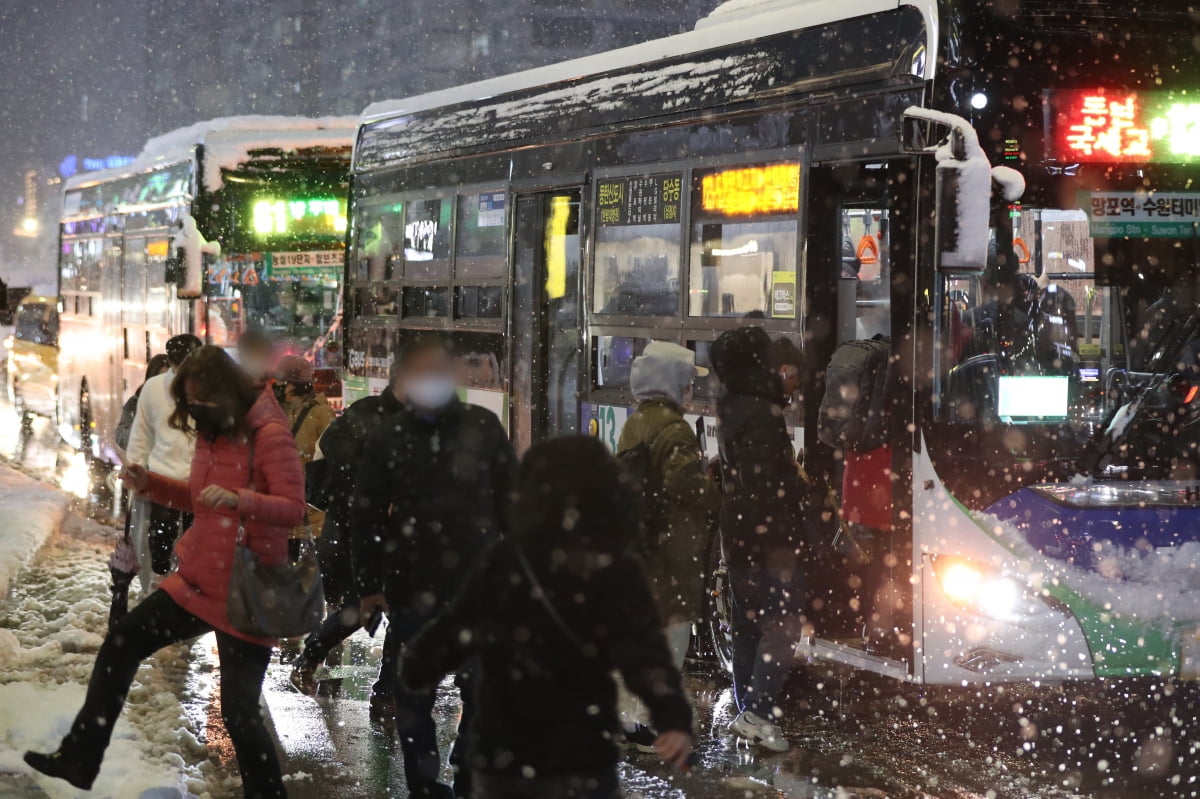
(647, 480)
(854, 413)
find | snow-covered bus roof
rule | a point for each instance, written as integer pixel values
(227, 142)
(731, 23)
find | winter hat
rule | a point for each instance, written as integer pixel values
(572, 493)
(294, 369)
(740, 353)
(664, 370)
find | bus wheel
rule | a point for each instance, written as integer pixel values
(718, 610)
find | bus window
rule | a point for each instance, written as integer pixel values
(743, 243)
(427, 239)
(134, 309)
(865, 262)
(379, 242)
(638, 234)
(480, 360)
(614, 359)
(425, 301)
(478, 302)
(481, 238)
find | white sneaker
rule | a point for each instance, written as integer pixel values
(759, 731)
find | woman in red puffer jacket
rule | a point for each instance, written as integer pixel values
(245, 472)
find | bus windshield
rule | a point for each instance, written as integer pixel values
(1037, 361)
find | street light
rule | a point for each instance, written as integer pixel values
(29, 225)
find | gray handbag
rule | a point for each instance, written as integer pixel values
(283, 601)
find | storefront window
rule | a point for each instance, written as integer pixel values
(743, 242)
(637, 246)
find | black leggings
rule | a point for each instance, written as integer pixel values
(165, 526)
(157, 622)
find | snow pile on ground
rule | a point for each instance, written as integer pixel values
(51, 626)
(31, 512)
(1160, 586)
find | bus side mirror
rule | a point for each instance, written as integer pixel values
(186, 269)
(964, 188)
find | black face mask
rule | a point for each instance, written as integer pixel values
(210, 420)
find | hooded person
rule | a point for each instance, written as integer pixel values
(676, 520)
(763, 508)
(550, 612)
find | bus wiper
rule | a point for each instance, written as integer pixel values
(1120, 420)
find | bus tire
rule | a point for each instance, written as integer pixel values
(718, 634)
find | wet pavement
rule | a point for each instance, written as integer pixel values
(852, 734)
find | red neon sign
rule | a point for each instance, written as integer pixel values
(1096, 126)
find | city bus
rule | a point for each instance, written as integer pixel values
(1005, 192)
(215, 228)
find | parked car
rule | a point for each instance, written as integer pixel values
(33, 356)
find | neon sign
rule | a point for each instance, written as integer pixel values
(755, 190)
(1107, 126)
(316, 216)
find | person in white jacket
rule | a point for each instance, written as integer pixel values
(161, 449)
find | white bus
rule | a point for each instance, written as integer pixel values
(214, 228)
(813, 168)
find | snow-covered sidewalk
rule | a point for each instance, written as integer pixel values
(54, 573)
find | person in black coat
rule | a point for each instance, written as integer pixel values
(433, 491)
(763, 529)
(550, 613)
(332, 484)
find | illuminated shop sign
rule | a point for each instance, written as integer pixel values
(299, 217)
(1111, 125)
(751, 191)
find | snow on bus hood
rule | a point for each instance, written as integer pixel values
(1130, 548)
(228, 142)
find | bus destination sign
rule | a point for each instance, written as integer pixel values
(1115, 126)
(641, 200)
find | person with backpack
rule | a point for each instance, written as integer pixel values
(764, 530)
(853, 419)
(549, 612)
(660, 452)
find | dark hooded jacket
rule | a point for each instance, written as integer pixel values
(546, 701)
(342, 446)
(763, 508)
(432, 492)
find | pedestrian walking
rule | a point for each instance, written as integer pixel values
(245, 475)
(308, 411)
(763, 530)
(256, 354)
(433, 490)
(550, 612)
(166, 450)
(660, 447)
(342, 447)
(123, 563)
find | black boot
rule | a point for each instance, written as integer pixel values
(62, 767)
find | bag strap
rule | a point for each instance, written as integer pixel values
(241, 533)
(308, 406)
(540, 593)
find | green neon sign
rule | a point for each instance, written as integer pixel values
(298, 216)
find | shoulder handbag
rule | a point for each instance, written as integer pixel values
(282, 601)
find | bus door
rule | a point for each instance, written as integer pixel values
(853, 255)
(546, 326)
(101, 398)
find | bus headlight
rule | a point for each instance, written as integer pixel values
(979, 590)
